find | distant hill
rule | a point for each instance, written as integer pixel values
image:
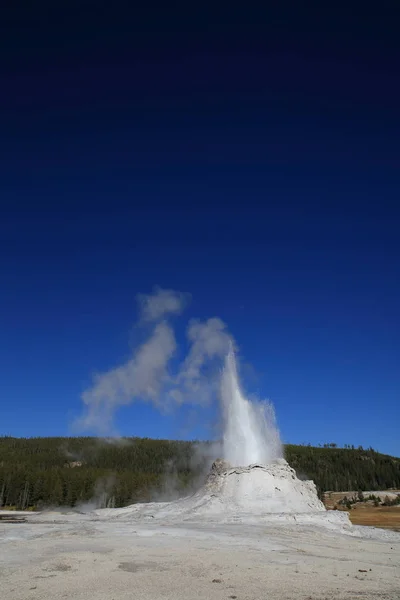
(38, 472)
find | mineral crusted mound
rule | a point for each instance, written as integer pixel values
(253, 494)
(272, 488)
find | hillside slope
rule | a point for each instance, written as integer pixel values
(70, 471)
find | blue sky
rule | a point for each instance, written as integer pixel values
(255, 168)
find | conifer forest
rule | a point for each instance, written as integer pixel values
(37, 473)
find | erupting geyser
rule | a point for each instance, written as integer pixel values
(252, 481)
(250, 433)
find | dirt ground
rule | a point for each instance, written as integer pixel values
(365, 513)
(387, 517)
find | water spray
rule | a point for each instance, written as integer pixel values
(250, 432)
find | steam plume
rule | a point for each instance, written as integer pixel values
(142, 377)
(148, 377)
(250, 434)
(161, 303)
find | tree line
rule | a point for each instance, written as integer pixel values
(45, 472)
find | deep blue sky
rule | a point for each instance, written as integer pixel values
(249, 159)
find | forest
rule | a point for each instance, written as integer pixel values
(76, 472)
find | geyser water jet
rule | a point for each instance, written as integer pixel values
(250, 432)
(253, 483)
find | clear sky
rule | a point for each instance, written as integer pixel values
(251, 160)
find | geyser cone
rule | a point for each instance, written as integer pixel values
(259, 490)
(250, 433)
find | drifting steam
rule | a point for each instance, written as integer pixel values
(249, 431)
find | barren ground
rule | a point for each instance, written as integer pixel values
(365, 513)
(78, 557)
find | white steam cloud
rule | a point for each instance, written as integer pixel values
(250, 433)
(196, 381)
(142, 377)
(148, 377)
(161, 303)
